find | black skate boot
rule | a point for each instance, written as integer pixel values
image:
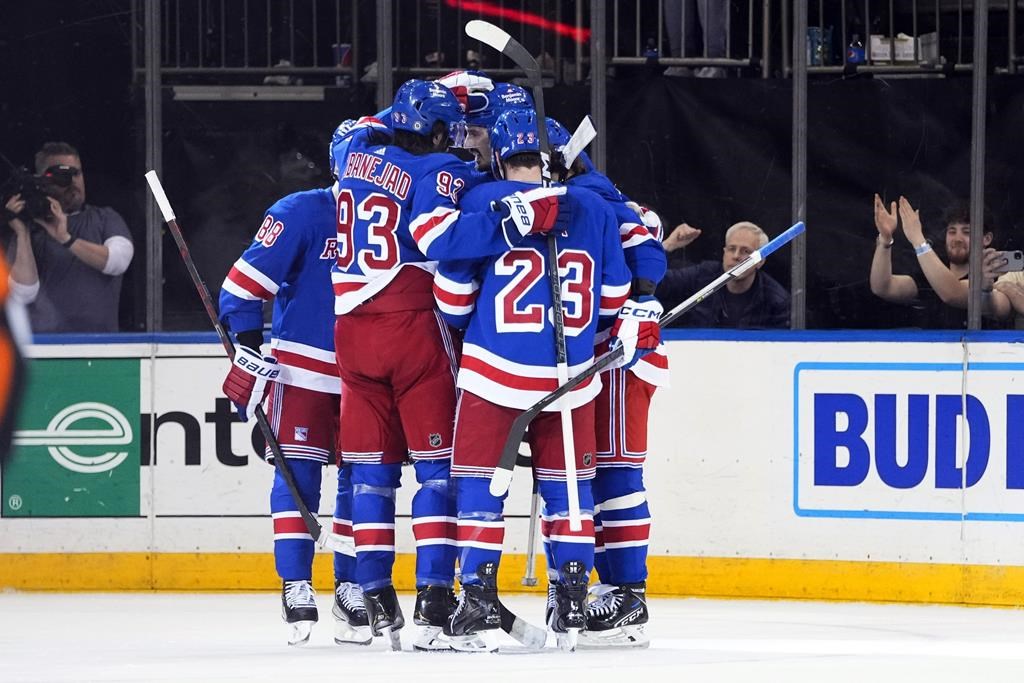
(351, 624)
(618, 618)
(434, 606)
(384, 614)
(569, 615)
(477, 615)
(298, 609)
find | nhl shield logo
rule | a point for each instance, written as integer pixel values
(435, 440)
(588, 458)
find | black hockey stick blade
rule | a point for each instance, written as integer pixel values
(502, 477)
(523, 631)
(322, 537)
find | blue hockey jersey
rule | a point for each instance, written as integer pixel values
(290, 261)
(504, 302)
(399, 210)
(644, 255)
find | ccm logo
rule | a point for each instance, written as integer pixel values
(641, 313)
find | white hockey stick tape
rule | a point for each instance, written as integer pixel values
(488, 34)
(160, 196)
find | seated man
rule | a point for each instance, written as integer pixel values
(939, 289)
(754, 300)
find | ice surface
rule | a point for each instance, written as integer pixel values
(239, 637)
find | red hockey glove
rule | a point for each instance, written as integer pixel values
(469, 87)
(534, 212)
(636, 329)
(650, 220)
(246, 383)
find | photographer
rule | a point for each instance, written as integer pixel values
(67, 257)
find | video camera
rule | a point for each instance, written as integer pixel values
(36, 190)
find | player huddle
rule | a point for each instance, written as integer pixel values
(413, 322)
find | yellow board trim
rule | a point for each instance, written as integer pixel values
(669, 576)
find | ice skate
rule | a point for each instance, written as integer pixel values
(472, 625)
(351, 625)
(567, 617)
(298, 609)
(617, 618)
(384, 614)
(434, 606)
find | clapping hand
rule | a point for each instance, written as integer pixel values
(682, 236)
(885, 220)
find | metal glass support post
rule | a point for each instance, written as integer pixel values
(154, 161)
(979, 80)
(385, 54)
(798, 271)
(598, 84)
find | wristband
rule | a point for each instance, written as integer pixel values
(922, 249)
(71, 240)
(885, 245)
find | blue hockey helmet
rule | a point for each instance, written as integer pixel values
(503, 97)
(420, 104)
(558, 136)
(340, 133)
(515, 132)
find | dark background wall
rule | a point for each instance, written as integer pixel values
(710, 152)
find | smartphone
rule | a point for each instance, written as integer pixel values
(1013, 261)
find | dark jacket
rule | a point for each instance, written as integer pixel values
(767, 306)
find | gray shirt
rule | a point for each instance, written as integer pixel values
(74, 297)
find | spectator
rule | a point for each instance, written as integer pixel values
(1011, 286)
(939, 290)
(711, 17)
(754, 300)
(68, 266)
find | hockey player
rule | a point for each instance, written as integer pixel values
(289, 261)
(618, 615)
(397, 211)
(483, 100)
(508, 363)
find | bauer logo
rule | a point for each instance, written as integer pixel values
(76, 446)
(909, 441)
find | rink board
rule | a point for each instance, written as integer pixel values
(814, 465)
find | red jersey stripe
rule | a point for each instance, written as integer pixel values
(248, 284)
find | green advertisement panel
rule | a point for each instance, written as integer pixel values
(76, 448)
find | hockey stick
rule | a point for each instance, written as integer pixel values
(322, 537)
(523, 631)
(581, 137)
(491, 35)
(529, 578)
(510, 450)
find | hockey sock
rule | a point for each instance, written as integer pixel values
(373, 522)
(623, 523)
(344, 565)
(293, 546)
(481, 526)
(561, 543)
(434, 524)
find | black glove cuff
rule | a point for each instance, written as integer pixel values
(251, 339)
(643, 287)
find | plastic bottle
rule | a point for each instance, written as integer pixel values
(855, 52)
(651, 50)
